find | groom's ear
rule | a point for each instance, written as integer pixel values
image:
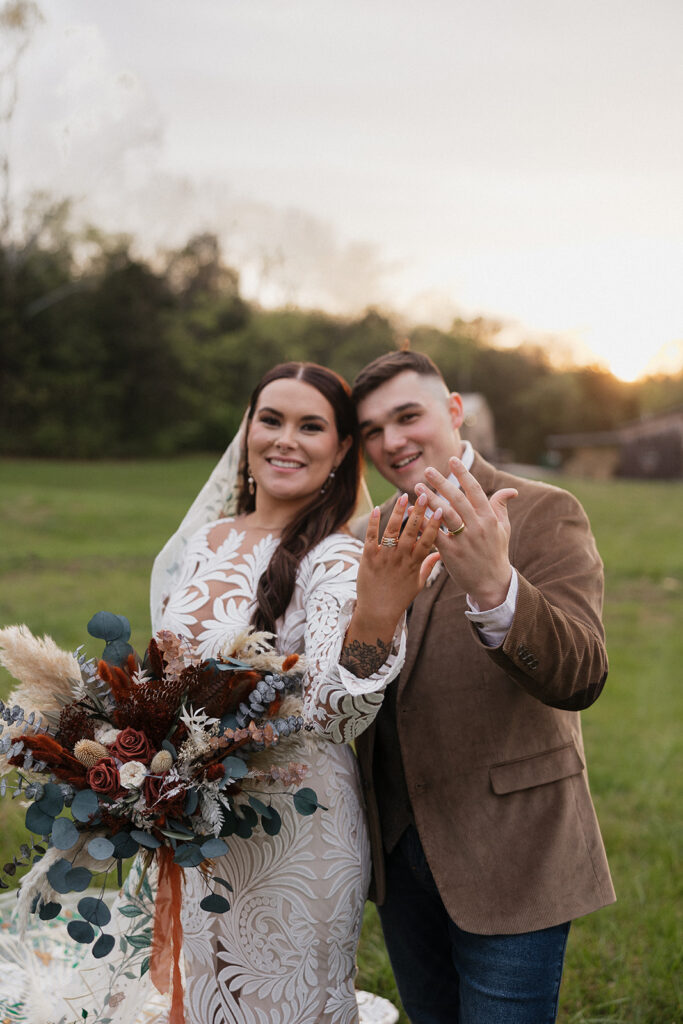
(456, 410)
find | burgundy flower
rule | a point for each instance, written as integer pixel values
(103, 777)
(132, 745)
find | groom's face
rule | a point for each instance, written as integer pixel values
(409, 423)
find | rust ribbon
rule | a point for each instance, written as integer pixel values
(167, 941)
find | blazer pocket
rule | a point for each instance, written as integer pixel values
(536, 770)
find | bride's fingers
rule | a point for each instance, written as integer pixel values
(393, 527)
(372, 531)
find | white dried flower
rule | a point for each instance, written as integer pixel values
(106, 734)
(198, 721)
(132, 774)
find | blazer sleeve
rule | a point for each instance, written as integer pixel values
(555, 647)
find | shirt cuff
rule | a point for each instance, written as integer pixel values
(493, 624)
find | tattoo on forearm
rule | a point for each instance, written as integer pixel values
(364, 659)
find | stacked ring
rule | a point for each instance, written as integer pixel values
(389, 542)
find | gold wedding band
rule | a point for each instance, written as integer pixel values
(454, 533)
(389, 542)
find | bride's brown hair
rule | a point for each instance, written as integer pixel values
(326, 512)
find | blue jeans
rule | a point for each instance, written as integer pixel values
(449, 976)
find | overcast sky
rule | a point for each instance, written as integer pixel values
(518, 158)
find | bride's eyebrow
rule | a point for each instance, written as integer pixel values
(310, 418)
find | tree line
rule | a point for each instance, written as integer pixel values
(106, 353)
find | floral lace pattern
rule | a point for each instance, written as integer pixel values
(285, 952)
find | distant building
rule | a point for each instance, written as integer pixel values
(478, 426)
(650, 448)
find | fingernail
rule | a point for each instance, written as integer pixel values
(375, 512)
(437, 515)
(422, 500)
(430, 471)
(403, 500)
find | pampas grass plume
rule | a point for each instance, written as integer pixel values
(47, 673)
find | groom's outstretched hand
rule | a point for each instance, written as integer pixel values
(475, 548)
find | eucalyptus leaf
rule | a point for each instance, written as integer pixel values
(37, 821)
(191, 801)
(101, 848)
(124, 845)
(81, 931)
(145, 839)
(214, 848)
(272, 824)
(64, 834)
(108, 626)
(94, 910)
(260, 807)
(48, 911)
(52, 800)
(306, 801)
(78, 879)
(56, 875)
(188, 855)
(85, 805)
(103, 946)
(235, 768)
(215, 903)
(222, 881)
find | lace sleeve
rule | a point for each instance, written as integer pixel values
(338, 704)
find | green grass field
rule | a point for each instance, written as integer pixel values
(78, 537)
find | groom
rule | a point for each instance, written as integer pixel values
(484, 837)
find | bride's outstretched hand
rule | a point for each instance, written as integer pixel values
(392, 571)
(395, 567)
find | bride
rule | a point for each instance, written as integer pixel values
(286, 563)
(265, 544)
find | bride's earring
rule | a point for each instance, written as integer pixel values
(251, 485)
(327, 483)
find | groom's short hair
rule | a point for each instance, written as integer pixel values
(385, 367)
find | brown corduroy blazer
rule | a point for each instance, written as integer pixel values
(491, 739)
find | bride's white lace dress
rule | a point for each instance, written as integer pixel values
(285, 952)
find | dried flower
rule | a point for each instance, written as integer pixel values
(132, 774)
(106, 734)
(161, 762)
(89, 752)
(104, 777)
(132, 745)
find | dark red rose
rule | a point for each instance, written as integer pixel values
(103, 777)
(131, 745)
(151, 787)
(215, 771)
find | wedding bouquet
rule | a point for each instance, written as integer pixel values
(119, 757)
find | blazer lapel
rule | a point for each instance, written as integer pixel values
(419, 616)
